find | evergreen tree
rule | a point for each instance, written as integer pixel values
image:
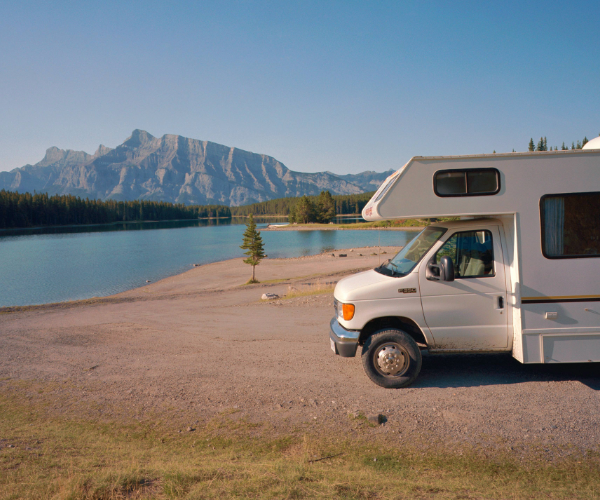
(540, 145)
(292, 215)
(572, 145)
(305, 210)
(325, 207)
(584, 142)
(545, 144)
(564, 148)
(253, 245)
(578, 145)
(531, 145)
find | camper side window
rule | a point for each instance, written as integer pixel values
(471, 252)
(570, 227)
(467, 182)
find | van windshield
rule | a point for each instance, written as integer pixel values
(407, 258)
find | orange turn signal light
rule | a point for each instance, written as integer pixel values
(348, 311)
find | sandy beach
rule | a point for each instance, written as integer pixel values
(201, 343)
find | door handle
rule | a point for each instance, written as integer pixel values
(500, 302)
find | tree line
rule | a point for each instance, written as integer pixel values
(542, 145)
(39, 209)
(19, 210)
(343, 204)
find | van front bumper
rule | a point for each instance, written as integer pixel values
(343, 342)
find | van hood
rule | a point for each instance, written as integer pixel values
(370, 285)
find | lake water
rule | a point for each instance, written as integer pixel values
(58, 264)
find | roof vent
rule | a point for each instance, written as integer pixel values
(593, 144)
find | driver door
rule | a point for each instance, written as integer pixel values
(468, 313)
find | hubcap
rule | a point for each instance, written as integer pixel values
(391, 359)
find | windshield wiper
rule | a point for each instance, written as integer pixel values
(390, 271)
(391, 263)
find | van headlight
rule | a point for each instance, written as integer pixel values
(343, 311)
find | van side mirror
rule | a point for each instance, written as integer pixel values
(446, 269)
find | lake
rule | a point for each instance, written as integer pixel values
(70, 263)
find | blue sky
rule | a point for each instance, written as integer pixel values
(342, 86)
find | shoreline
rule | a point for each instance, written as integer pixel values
(106, 224)
(123, 296)
(336, 227)
(310, 226)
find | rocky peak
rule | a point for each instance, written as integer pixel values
(53, 155)
(62, 157)
(102, 150)
(138, 138)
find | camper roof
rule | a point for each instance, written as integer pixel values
(519, 180)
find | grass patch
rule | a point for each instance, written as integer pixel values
(53, 457)
(398, 223)
(361, 420)
(307, 289)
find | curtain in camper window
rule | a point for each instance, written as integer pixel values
(554, 225)
(570, 225)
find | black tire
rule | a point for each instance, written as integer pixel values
(399, 367)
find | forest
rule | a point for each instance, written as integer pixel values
(39, 209)
(21, 210)
(344, 205)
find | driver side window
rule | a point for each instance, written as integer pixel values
(471, 252)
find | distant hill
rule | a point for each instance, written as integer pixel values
(177, 169)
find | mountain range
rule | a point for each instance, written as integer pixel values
(177, 169)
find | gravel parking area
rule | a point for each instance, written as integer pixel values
(198, 345)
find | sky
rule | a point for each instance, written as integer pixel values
(344, 86)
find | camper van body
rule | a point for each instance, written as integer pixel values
(538, 301)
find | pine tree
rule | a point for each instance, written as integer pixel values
(564, 148)
(540, 144)
(545, 144)
(253, 245)
(572, 145)
(578, 145)
(325, 207)
(584, 142)
(292, 215)
(305, 210)
(531, 145)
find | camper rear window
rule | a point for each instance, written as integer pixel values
(570, 225)
(468, 182)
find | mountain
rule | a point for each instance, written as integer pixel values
(177, 169)
(368, 181)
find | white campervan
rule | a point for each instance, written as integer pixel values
(517, 271)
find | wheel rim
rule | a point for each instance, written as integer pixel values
(391, 359)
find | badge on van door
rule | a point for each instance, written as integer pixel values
(407, 290)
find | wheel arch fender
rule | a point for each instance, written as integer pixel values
(398, 322)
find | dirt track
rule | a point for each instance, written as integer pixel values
(198, 344)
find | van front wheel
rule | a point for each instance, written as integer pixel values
(391, 359)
